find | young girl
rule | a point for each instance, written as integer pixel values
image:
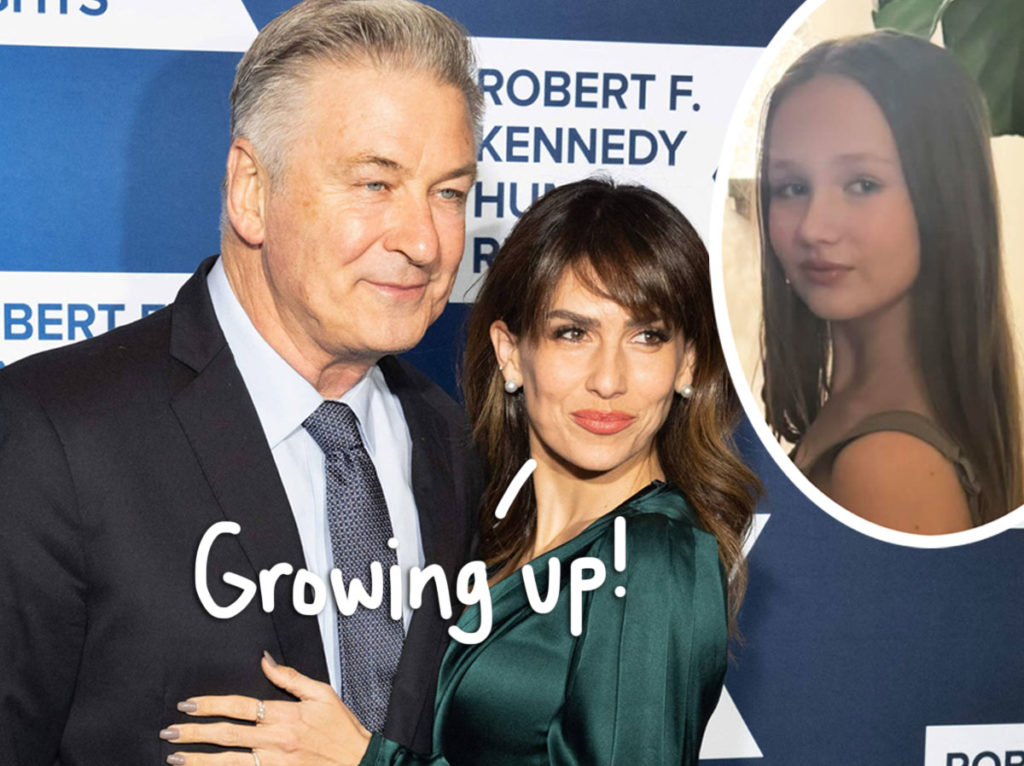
(888, 359)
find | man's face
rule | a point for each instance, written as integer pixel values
(363, 231)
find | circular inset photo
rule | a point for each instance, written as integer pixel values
(868, 271)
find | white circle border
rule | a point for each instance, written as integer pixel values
(747, 398)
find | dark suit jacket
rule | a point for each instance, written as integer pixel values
(116, 455)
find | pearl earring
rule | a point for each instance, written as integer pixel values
(511, 386)
(687, 391)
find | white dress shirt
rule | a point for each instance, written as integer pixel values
(284, 399)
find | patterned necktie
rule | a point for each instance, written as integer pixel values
(357, 517)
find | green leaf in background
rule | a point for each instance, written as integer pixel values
(915, 17)
(988, 38)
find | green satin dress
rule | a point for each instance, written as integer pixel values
(637, 686)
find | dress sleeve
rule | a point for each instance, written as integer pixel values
(42, 607)
(649, 665)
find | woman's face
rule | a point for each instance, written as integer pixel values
(598, 383)
(840, 216)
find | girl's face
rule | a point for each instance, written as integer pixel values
(840, 218)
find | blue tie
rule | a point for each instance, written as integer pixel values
(357, 517)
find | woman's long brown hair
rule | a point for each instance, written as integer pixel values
(960, 328)
(630, 245)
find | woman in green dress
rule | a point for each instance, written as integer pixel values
(592, 349)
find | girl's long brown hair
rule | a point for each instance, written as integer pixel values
(962, 336)
(630, 245)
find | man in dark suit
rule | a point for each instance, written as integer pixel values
(343, 224)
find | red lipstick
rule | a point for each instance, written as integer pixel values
(601, 422)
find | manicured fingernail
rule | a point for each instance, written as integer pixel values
(270, 660)
(177, 760)
(171, 733)
(188, 706)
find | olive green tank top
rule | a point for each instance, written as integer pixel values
(922, 428)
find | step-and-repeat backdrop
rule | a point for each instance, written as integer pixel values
(113, 127)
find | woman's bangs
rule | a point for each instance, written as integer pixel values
(631, 277)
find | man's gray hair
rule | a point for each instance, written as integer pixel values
(386, 34)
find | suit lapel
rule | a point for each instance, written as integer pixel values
(221, 424)
(432, 483)
(415, 682)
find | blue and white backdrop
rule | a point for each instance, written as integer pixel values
(113, 128)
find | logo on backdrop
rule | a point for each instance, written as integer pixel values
(193, 25)
(560, 110)
(976, 745)
(43, 310)
(727, 735)
(62, 7)
(263, 11)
